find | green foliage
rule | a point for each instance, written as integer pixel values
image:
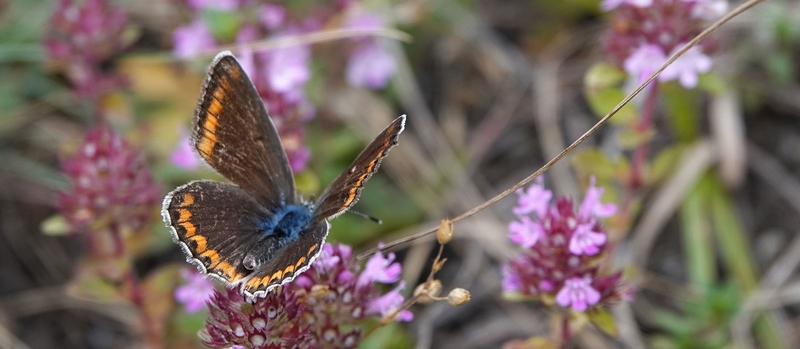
(682, 108)
(704, 324)
(603, 319)
(223, 25)
(602, 89)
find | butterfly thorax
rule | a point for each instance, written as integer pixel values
(283, 227)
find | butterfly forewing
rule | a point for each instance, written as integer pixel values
(215, 224)
(343, 193)
(289, 261)
(238, 232)
(234, 134)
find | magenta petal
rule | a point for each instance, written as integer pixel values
(564, 296)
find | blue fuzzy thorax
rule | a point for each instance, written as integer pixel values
(287, 222)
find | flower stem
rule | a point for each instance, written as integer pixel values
(644, 126)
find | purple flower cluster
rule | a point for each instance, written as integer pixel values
(645, 33)
(112, 184)
(325, 307)
(82, 36)
(563, 247)
(275, 321)
(370, 65)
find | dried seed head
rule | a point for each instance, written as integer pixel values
(428, 291)
(445, 233)
(458, 296)
(319, 291)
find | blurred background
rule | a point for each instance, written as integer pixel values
(700, 249)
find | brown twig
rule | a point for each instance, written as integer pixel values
(313, 38)
(737, 11)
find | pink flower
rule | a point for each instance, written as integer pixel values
(219, 5)
(183, 155)
(511, 280)
(644, 62)
(112, 183)
(591, 204)
(195, 292)
(564, 243)
(272, 16)
(686, 68)
(192, 40)
(708, 10)
(380, 269)
(365, 21)
(579, 293)
(288, 68)
(586, 241)
(526, 232)
(608, 5)
(389, 302)
(370, 66)
(535, 199)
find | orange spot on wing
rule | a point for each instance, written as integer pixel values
(276, 276)
(212, 255)
(214, 108)
(310, 250)
(201, 241)
(227, 269)
(360, 183)
(300, 262)
(219, 93)
(255, 282)
(206, 145)
(185, 215)
(190, 229)
(289, 269)
(188, 200)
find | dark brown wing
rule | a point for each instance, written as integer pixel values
(343, 193)
(234, 134)
(215, 224)
(290, 260)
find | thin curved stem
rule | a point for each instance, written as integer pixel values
(737, 11)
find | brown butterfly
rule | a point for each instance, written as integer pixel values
(256, 232)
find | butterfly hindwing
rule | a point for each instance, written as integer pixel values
(289, 261)
(216, 224)
(343, 193)
(234, 134)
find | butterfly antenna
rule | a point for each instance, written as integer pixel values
(364, 215)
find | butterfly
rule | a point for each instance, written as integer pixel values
(256, 232)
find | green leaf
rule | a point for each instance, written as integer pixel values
(697, 238)
(603, 75)
(664, 163)
(629, 139)
(390, 336)
(682, 107)
(593, 161)
(780, 65)
(712, 83)
(731, 236)
(674, 324)
(603, 93)
(603, 319)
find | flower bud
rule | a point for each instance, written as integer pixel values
(458, 296)
(428, 291)
(445, 233)
(319, 291)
